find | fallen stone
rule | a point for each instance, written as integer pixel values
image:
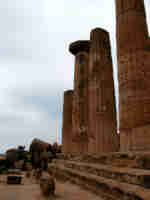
(14, 179)
(47, 185)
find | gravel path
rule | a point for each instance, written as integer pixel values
(31, 191)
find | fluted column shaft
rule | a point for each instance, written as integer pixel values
(102, 111)
(67, 133)
(80, 98)
(134, 75)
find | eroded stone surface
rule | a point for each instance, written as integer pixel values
(80, 97)
(101, 103)
(67, 133)
(133, 74)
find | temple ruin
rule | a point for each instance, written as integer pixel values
(110, 165)
(94, 126)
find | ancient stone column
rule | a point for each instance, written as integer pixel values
(134, 75)
(67, 122)
(101, 102)
(80, 49)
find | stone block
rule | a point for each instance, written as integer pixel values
(12, 179)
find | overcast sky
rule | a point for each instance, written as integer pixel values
(35, 65)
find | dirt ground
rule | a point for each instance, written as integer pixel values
(30, 190)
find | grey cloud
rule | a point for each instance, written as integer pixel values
(21, 122)
(23, 33)
(47, 100)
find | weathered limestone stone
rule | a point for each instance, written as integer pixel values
(38, 174)
(134, 75)
(80, 98)
(47, 185)
(28, 174)
(28, 169)
(14, 179)
(67, 122)
(101, 102)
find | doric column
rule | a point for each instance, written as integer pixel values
(131, 26)
(101, 103)
(134, 75)
(80, 49)
(67, 122)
